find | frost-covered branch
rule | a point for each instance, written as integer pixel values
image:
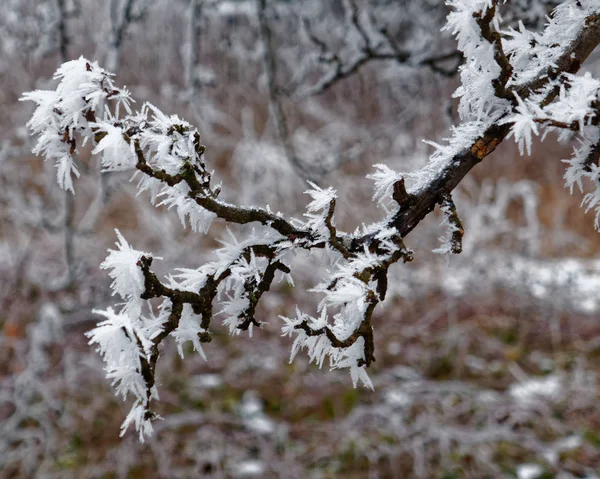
(167, 153)
(503, 92)
(486, 119)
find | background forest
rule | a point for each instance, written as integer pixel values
(487, 362)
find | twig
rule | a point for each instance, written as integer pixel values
(279, 119)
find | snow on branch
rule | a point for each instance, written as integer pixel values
(502, 93)
(62, 113)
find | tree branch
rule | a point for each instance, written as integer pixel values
(450, 176)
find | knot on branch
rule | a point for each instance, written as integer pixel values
(205, 337)
(404, 199)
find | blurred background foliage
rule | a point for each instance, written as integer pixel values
(487, 364)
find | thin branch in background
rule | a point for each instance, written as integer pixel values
(370, 52)
(121, 18)
(192, 52)
(69, 207)
(63, 39)
(275, 106)
(69, 236)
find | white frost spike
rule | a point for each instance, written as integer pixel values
(384, 179)
(321, 197)
(578, 168)
(199, 218)
(191, 279)
(349, 357)
(319, 347)
(575, 102)
(523, 127)
(359, 263)
(43, 114)
(348, 290)
(592, 200)
(83, 87)
(463, 24)
(137, 416)
(233, 308)
(318, 209)
(128, 280)
(188, 329)
(446, 246)
(117, 155)
(64, 168)
(122, 344)
(119, 341)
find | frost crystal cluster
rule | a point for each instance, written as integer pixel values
(514, 83)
